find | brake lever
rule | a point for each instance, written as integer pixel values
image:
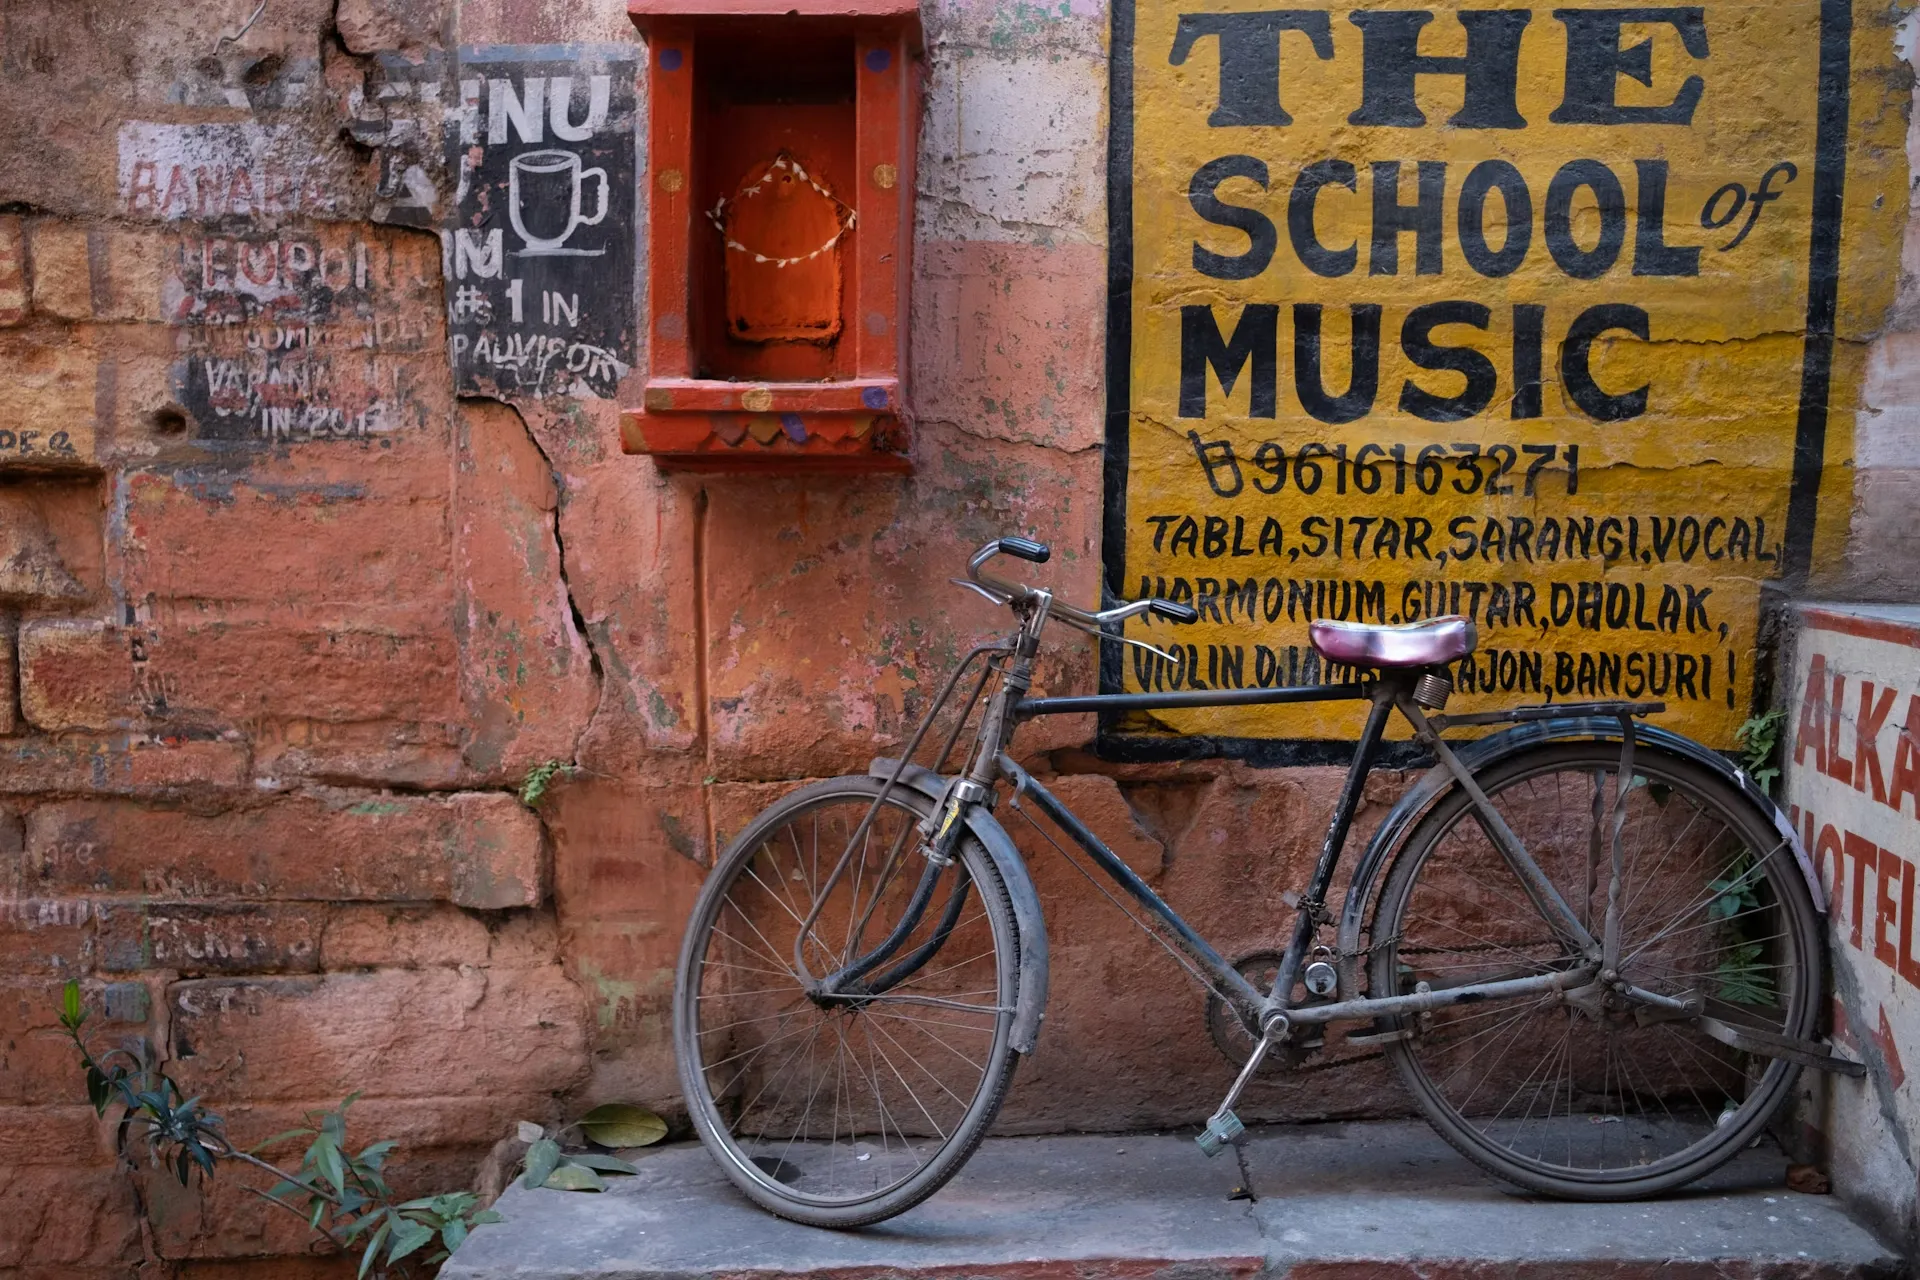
(1122, 638)
(979, 590)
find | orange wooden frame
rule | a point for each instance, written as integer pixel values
(856, 418)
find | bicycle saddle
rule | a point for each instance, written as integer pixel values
(1416, 644)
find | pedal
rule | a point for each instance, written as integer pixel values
(1223, 1129)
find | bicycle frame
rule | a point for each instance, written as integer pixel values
(1273, 1010)
(1390, 691)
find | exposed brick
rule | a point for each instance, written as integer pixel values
(47, 399)
(76, 675)
(136, 267)
(370, 546)
(9, 678)
(190, 938)
(367, 937)
(33, 571)
(53, 936)
(69, 1135)
(66, 1217)
(89, 676)
(13, 271)
(38, 1065)
(525, 939)
(118, 765)
(392, 1033)
(628, 863)
(62, 275)
(527, 675)
(476, 849)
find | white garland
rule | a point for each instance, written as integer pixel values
(782, 161)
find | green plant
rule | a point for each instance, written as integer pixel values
(539, 778)
(342, 1195)
(1740, 972)
(1758, 738)
(614, 1124)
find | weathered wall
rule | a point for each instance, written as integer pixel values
(271, 678)
(1851, 758)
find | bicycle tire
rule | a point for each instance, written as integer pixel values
(1792, 974)
(763, 1182)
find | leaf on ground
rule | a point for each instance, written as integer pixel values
(543, 1157)
(605, 1164)
(621, 1124)
(575, 1177)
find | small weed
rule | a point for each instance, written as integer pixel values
(540, 778)
(1759, 738)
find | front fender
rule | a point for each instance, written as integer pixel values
(1031, 1007)
(1486, 751)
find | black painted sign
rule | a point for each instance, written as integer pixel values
(540, 252)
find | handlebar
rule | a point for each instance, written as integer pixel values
(1002, 592)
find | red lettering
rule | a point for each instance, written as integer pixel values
(1829, 840)
(176, 188)
(268, 254)
(1906, 760)
(1890, 1052)
(1909, 968)
(145, 185)
(209, 191)
(1884, 919)
(1839, 768)
(1812, 731)
(1866, 740)
(1864, 852)
(240, 193)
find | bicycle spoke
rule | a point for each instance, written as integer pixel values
(1600, 1099)
(842, 1100)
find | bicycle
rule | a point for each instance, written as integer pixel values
(1594, 991)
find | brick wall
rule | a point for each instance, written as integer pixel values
(282, 633)
(279, 637)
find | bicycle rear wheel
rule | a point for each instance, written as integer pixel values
(842, 1112)
(1597, 1098)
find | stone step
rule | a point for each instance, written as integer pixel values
(1385, 1201)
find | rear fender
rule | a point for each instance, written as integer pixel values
(1489, 750)
(1031, 1005)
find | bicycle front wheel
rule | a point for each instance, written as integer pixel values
(1597, 1098)
(839, 1112)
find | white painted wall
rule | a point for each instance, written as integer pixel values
(1851, 760)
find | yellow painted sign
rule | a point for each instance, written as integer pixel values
(1538, 316)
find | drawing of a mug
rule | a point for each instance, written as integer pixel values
(543, 200)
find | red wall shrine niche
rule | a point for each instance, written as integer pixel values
(781, 153)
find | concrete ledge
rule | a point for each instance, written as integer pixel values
(1334, 1202)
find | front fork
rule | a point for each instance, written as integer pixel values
(941, 831)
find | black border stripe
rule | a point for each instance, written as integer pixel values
(1113, 527)
(1823, 287)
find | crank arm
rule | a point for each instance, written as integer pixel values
(1766, 1044)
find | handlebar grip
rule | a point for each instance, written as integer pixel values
(1026, 549)
(1173, 612)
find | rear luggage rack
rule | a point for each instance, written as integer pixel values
(1550, 711)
